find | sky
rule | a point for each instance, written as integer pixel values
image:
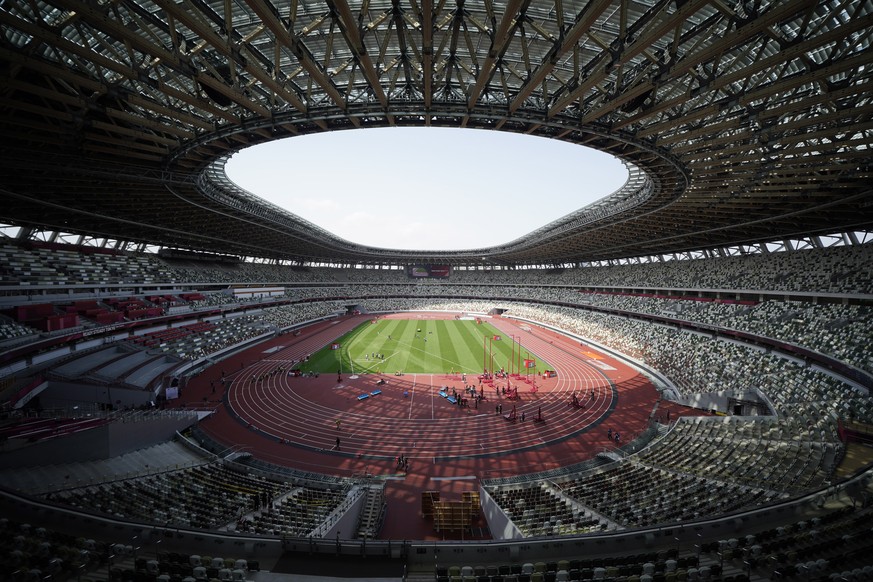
(426, 188)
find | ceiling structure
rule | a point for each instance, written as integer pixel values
(740, 121)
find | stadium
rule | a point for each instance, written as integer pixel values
(671, 383)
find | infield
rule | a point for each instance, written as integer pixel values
(425, 346)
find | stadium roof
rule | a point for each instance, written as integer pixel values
(740, 121)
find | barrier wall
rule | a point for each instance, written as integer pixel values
(421, 556)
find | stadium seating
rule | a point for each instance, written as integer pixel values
(538, 509)
(209, 496)
(839, 269)
(698, 467)
(10, 329)
(296, 514)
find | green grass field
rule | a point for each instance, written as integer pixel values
(415, 346)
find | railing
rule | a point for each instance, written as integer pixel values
(637, 444)
(323, 529)
(95, 411)
(149, 415)
(73, 483)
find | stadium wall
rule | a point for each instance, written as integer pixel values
(87, 445)
(103, 442)
(69, 394)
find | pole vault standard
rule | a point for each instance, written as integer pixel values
(484, 356)
(526, 369)
(511, 353)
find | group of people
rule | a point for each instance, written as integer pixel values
(478, 394)
(457, 398)
(513, 414)
(576, 400)
(489, 377)
(275, 371)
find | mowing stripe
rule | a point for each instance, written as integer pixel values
(441, 346)
(452, 337)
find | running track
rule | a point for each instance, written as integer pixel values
(292, 421)
(410, 418)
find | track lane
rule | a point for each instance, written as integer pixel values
(304, 411)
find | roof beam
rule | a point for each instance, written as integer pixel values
(352, 34)
(226, 48)
(687, 63)
(499, 42)
(565, 43)
(286, 37)
(427, 24)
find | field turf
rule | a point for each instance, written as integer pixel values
(415, 346)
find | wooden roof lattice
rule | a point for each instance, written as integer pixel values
(738, 121)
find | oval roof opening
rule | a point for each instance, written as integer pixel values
(427, 188)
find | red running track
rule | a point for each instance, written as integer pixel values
(292, 421)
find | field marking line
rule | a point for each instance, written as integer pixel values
(376, 362)
(411, 399)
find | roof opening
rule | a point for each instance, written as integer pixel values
(427, 188)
